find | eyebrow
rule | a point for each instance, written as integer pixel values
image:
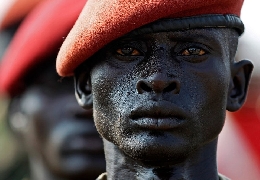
(178, 34)
(210, 37)
(207, 36)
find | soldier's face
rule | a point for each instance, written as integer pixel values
(60, 132)
(162, 95)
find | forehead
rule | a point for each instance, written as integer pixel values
(213, 35)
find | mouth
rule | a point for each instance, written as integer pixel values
(83, 145)
(158, 116)
(76, 137)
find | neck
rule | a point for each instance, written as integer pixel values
(201, 165)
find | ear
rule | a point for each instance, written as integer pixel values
(83, 89)
(238, 86)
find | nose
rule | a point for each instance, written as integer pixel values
(158, 83)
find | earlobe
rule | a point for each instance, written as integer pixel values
(83, 90)
(241, 73)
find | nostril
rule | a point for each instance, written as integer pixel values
(172, 87)
(158, 86)
(143, 87)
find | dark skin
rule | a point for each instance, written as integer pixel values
(159, 101)
(59, 136)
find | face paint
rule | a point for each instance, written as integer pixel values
(160, 96)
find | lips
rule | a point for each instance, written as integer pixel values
(158, 116)
(83, 144)
(73, 136)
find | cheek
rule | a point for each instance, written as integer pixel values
(217, 85)
(209, 94)
(39, 122)
(104, 104)
(37, 131)
(112, 92)
(210, 83)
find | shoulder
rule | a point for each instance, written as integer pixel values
(102, 176)
(222, 177)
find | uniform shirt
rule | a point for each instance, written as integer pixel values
(103, 176)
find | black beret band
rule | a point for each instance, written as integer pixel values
(194, 22)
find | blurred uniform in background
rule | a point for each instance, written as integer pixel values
(239, 143)
(59, 137)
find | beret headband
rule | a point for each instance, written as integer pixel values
(102, 21)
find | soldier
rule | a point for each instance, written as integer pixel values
(161, 75)
(59, 136)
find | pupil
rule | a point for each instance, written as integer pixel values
(127, 50)
(194, 50)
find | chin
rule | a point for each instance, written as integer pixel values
(157, 156)
(157, 149)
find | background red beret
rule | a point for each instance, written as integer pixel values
(39, 36)
(14, 11)
(106, 20)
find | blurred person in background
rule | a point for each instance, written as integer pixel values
(239, 143)
(59, 137)
(12, 156)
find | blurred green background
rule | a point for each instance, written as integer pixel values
(12, 156)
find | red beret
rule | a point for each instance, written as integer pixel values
(39, 36)
(16, 11)
(103, 21)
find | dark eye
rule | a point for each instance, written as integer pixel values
(128, 51)
(193, 51)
